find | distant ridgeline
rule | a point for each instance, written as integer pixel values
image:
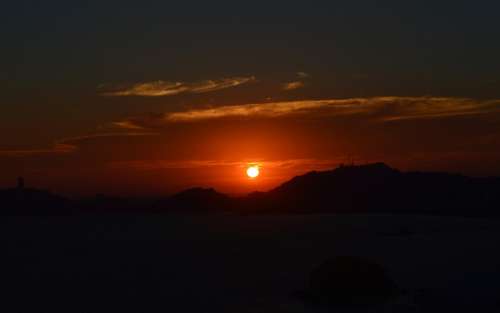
(29, 201)
(372, 188)
(377, 188)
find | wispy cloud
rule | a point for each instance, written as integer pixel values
(378, 108)
(385, 108)
(167, 88)
(382, 109)
(296, 84)
(77, 139)
(55, 149)
(127, 125)
(303, 164)
(69, 145)
(428, 108)
(293, 85)
(272, 109)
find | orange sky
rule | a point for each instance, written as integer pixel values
(212, 145)
(123, 97)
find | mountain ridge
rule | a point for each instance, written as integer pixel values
(367, 188)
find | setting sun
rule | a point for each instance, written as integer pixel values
(253, 171)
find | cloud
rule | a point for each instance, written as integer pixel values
(296, 84)
(172, 164)
(55, 149)
(127, 125)
(272, 109)
(428, 108)
(303, 164)
(213, 85)
(293, 85)
(166, 88)
(77, 139)
(384, 109)
(69, 145)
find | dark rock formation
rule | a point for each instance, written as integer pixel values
(349, 281)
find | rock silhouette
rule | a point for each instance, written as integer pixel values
(348, 281)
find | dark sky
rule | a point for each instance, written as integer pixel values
(407, 48)
(77, 68)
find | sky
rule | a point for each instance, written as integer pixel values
(151, 97)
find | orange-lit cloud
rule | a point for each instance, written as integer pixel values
(166, 88)
(303, 164)
(271, 109)
(379, 109)
(293, 85)
(427, 107)
(55, 149)
(383, 108)
(68, 145)
(229, 176)
(75, 140)
(127, 125)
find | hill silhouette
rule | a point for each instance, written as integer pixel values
(378, 188)
(30, 201)
(196, 200)
(371, 188)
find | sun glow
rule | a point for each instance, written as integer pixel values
(253, 171)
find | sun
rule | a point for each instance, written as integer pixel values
(253, 171)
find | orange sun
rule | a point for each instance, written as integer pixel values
(253, 171)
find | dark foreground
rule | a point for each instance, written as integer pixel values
(240, 263)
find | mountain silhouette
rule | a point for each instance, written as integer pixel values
(195, 200)
(30, 201)
(378, 188)
(371, 188)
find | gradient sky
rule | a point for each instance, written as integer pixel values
(128, 97)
